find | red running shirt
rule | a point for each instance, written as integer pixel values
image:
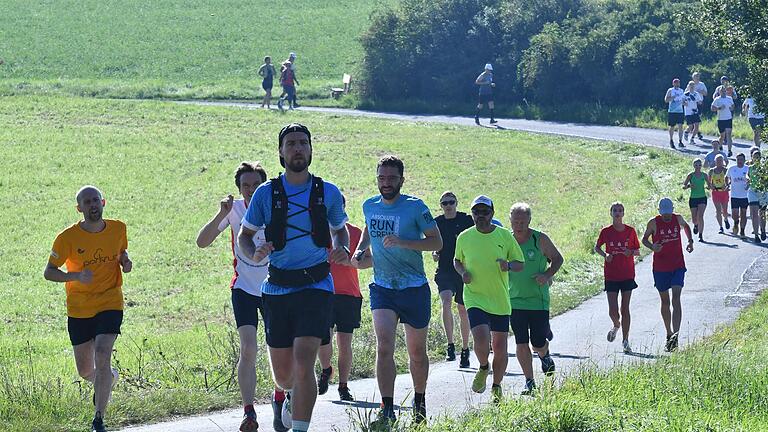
(345, 281)
(621, 267)
(668, 234)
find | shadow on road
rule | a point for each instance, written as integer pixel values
(641, 355)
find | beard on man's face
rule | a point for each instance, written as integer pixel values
(389, 192)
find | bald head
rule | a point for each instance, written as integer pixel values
(89, 191)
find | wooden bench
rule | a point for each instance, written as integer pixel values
(336, 92)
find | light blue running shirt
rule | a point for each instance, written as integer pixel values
(300, 251)
(407, 218)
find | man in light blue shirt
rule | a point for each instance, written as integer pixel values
(303, 216)
(398, 228)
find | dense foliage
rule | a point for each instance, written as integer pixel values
(550, 52)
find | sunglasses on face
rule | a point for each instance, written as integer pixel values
(448, 202)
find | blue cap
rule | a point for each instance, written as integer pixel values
(666, 206)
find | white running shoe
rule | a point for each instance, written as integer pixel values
(627, 348)
(612, 334)
(286, 414)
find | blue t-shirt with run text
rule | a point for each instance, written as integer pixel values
(300, 251)
(407, 218)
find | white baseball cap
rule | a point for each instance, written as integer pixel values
(488, 66)
(481, 199)
(292, 55)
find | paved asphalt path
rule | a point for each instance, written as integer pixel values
(725, 274)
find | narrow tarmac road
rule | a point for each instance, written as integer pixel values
(725, 273)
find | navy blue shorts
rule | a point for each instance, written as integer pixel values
(82, 330)
(497, 323)
(267, 85)
(756, 122)
(666, 280)
(246, 308)
(413, 306)
(484, 98)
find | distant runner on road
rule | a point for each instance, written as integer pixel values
(723, 105)
(720, 188)
(758, 199)
(692, 105)
(485, 92)
(484, 256)
(668, 264)
(621, 248)
(736, 179)
(449, 284)
(696, 182)
(267, 73)
(755, 117)
(675, 112)
(529, 294)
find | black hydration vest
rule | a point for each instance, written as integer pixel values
(277, 229)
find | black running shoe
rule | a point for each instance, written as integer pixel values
(701, 137)
(345, 395)
(680, 143)
(98, 425)
(477, 120)
(419, 412)
(685, 135)
(493, 121)
(277, 416)
(450, 353)
(727, 224)
(547, 364)
(671, 342)
(384, 421)
(695, 229)
(701, 237)
(530, 387)
(672, 144)
(757, 239)
(464, 358)
(762, 237)
(322, 383)
(730, 153)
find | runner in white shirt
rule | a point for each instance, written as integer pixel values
(701, 88)
(692, 104)
(723, 105)
(245, 287)
(736, 180)
(675, 113)
(756, 119)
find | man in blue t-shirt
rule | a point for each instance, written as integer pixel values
(298, 293)
(398, 228)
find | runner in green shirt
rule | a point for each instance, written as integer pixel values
(529, 294)
(484, 255)
(696, 181)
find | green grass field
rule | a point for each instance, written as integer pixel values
(175, 49)
(163, 168)
(714, 385)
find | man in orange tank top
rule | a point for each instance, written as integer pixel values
(94, 251)
(668, 264)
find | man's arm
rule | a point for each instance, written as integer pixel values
(54, 274)
(687, 230)
(650, 229)
(210, 231)
(362, 258)
(247, 246)
(340, 253)
(431, 241)
(554, 256)
(462, 271)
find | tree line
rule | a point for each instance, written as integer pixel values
(547, 52)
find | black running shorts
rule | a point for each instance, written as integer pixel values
(346, 313)
(246, 308)
(82, 330)
(298, 314)
(530, 326)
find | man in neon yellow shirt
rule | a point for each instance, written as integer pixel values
(484, 255)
